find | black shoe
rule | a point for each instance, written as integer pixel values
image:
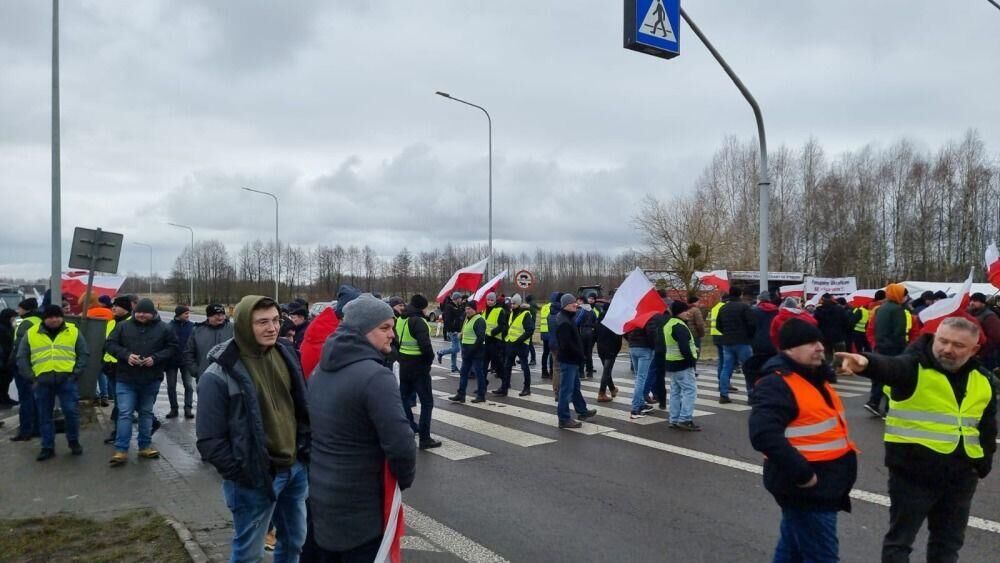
(20, 438)
(590, 375)
(110, 439)
(872, 409)
(570, 424)
(499, 392)
(156, 426)
(646, 408)
(104, 402)
(172, 413)
(546, 376)
(724, 400)
(589, 414)
(531, 363)
(479, 400)
(76, 448)
(524, 393)
(188, 413)
(457, 398)
(673, 425)
(733, 389)
(46, 453)
(689, 426)
(429, 443)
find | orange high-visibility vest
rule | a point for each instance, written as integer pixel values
(819, 433)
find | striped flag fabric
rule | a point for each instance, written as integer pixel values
(390, 550)
(465, 279)
(993, 265)
(490, 287)
(717, 278)
(953, 306)
(634, 303)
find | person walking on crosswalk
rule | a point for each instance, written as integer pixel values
(416, 354)
(680, 357)
(570, 346)
(473, 355)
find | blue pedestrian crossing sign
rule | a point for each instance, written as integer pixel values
(653, 27)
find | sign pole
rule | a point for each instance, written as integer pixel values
(55, 279)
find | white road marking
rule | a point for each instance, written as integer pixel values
(417, 543)
(455, 451)
(531, 415)
(629, 390)
(606, 412)
(650, 418)
(448, 539)
(874, 498)
(496, 431)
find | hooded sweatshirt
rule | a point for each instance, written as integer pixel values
(273, 384)
(890, 322)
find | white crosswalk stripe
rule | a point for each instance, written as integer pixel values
(547, 419)
(495, 431)
(455, 451)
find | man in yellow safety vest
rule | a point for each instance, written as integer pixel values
(415, 358)
(517, 340)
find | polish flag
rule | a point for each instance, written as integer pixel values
(953, 306)
(635, 301)
(795, 290)
(74, 287)
(717, 278)
(993, 265)
(861, 298)
(466, 279)
(389, 551)
(491, 286)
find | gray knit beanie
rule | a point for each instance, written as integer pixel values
(516, 300)
(566, 299)
(366, 312)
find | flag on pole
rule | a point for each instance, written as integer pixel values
(389, 551)
(861, 298)
(74, 287)
(793, 290)
(635, 301)
(466, 279)
(993, 265)
(717, 278)
(491, 287)
(953, 306)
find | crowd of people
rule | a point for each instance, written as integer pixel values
(309, 422)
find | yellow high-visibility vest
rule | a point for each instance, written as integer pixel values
(407, 343)
(713, 318)
(52, 354)
(469, 329)
(862, 323)
(516, 328)
(673, 347)
(493, 320)
(543, 318)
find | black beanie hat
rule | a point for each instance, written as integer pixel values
(418, 302)
(471, 303)
(124, 302)
(29, 304)
(796, 332)
(678, 307)
(180, 310)
(52, 311)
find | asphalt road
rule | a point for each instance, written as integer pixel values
(640, 492)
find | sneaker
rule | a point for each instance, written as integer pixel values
(531, 363)
(673, 425)
(614, 392)
(724, 400)
(104, 401)
(635, 415)
(646, 408)
(149, 453)
(524, 393)
(457, 398)
(120, 458)
(429, 443)
(872, 409)
(479, 400)
(546, 376)
(188, 413)
(603, 398)
(46, 453)
(690, 426)
(172, 414)
(651, 400)
(570, 424)
(76, 448)
(733, 389)
(439, 359)
(20, 438)
(589, 414)
(270, 540)
(455, 370)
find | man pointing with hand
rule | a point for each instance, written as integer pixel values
(940, 435)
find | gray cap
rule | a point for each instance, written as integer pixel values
(366, 312)
(566, 299)
(764, 296)
(516, 300)
(456, 295)
(491, 295)
(790, 303)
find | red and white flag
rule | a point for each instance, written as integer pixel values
(793, 290)
(390, 550)
(953, 306)
(74, 287)
(635, 301)
(717, 278)
(466, 279)
(491, 287)
(861, 298)
(993, 265)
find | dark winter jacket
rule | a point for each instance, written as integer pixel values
(203, 338)
(6, 343)
(19, 333)
(358, 424)
(736, 323)
(763, 315)
(476, 350)
(682, 335)
(990, 323)
(773, 409)
(182, 333)
(890, 329)
(24, 359)
(453, 315)
(568, 338)
(153, 339)
(646, 336)
(554, 307)
(900, 373)
(528, 323)
(503, 319)
(609, 344)
(419, 331)
(834, 322)
(229, 425)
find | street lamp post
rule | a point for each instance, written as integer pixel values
(150, 247)
(191, 263)
(489, 122)
(277, 246)
(55, 279)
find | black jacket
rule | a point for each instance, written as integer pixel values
(773, 409)
(736, 324)
(357, 425)
(646, 336)
(890, 329)
(763, 316)
(453, 315)
(528, 324)
(568, 338)
(502, 319)
(834, 322)
(204, 337)
(153, 339)
(609, 344)
(418, 330)
(682, 335)
(477, 349)
(229, 426)
(916, 461)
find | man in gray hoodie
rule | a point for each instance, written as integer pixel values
(359, 431)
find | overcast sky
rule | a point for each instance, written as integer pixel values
(168, 107)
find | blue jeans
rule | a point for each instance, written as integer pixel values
(474, 365)
(718, 361)
(683, 392)
(732, 353)
(569, 391)
(130, 397)
(27, 414)
(641, 359)
(455, 339)
(253, 511)
(102, 385)
(807, 537)
(45, 399)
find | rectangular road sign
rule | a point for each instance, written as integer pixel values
(653, 27)
(95, 249)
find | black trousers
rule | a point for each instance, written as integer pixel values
(415, 377)
(364, 553)
(945, 505)
(494, 356)
(609, 365)
(588, 350)
(546, 357)
(520, 352)
(860, 341)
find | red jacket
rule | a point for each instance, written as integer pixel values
(312, 343)
(784, 314)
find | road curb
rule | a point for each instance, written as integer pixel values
(194, 550)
